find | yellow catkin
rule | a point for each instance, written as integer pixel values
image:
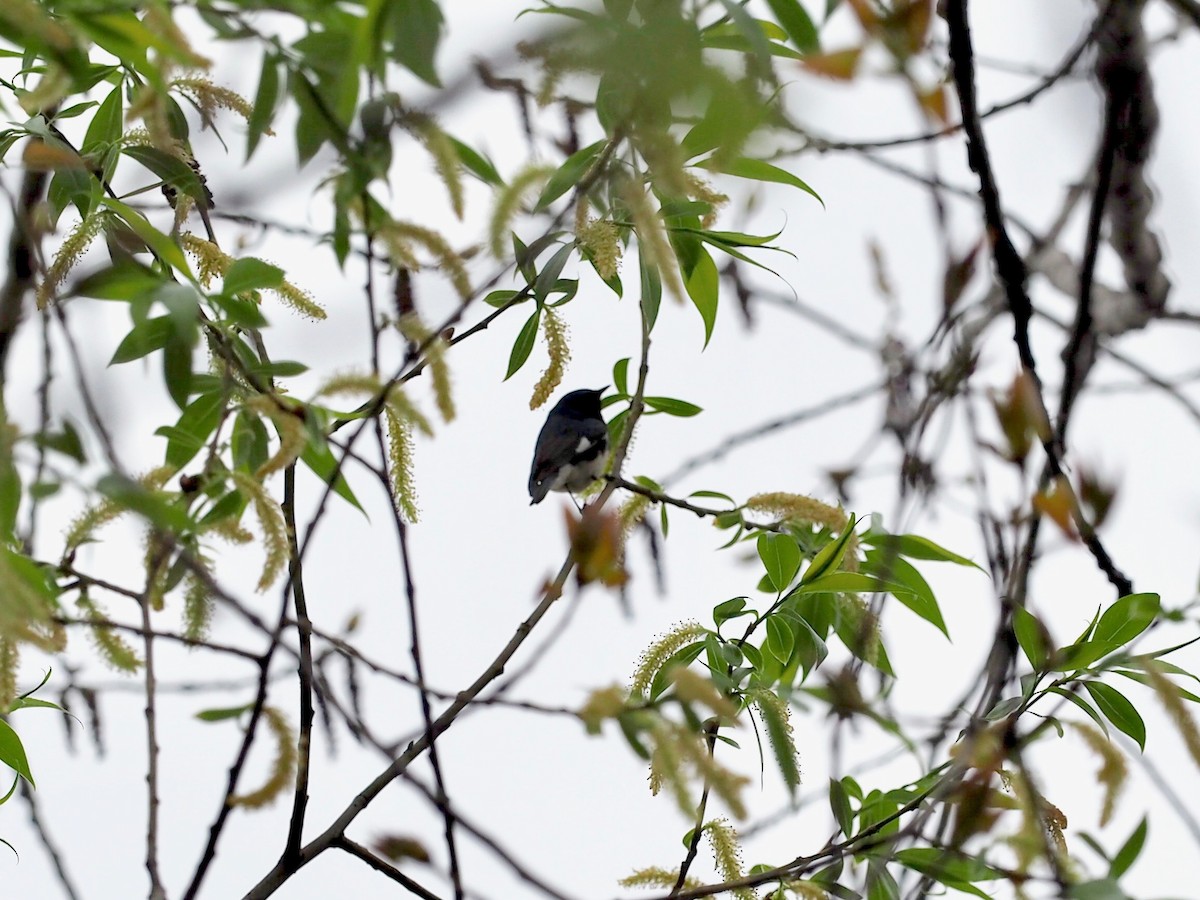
(1177, 712)
(864, 625)
(632, 512)
(445, 159)
(149, 105)
(110, 646)
(554, 330)
(349, 383)
(10, 661)
(726, 784)
(656, 876)
(807, 890)
(692, 687)
(197, 607)
(209, 98)
(72, 250)
(435, 346)
(270, 520)
(93, 518)
(656, 655)
(508, 204)
(283, 767)
(402, 408)
(293, 435)
(664, 160)
(157, 18)
(701, 190)
(601, 239)
(1113, 770)
(727, 853)
(602, 704)
(652, 238)
(776, 715)
(211, 261)
(400, 459)
(809, 510)
(449, 261)
(157, 564)
(667, 765)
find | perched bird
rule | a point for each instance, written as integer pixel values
(571, 448)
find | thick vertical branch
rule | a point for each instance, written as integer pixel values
(295, 587)
(22, 261)
(157, 891)
(1012, 273)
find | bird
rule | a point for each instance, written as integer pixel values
(571, 448)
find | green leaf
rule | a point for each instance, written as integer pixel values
(1130, 850)
(126, 280)
(223, 713)
(198, 420)
(249, 274)
(415, 30)
(523, 345)
(161, 245)
(730, 609)
(795, 21)
(703, 286)
(621, 376)
(681, 657)
(265, 100)
(568, 174)
(1099, 889)
(33, 703)
(880, 883)
(1118, 710)
(914, 547)
(476, 163)
(780, 640)
(758, 170)
(1031, 635)
(143, 339)
(1081, 655)
(172, 170)
(1082, 704)
(132, 496)
(501, 298)
(651, 286)
(956, 872)
(107, 123)
(781, 558)
(839, 802)
(319, 459)
(1127, 618)
(672, 407)
(66, 442)
(547, 278)
(240, 311)
(12, 752)
(177, 370)
(829, 557)
(917, 594)
(842, 582)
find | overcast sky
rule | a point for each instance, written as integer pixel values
(576, 809)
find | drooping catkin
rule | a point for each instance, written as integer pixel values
(282, 768)
(656, 655)
(554, 330)
(508, 204)
(73, 247)
(271, 522)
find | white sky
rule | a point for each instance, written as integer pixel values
(576, 809)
